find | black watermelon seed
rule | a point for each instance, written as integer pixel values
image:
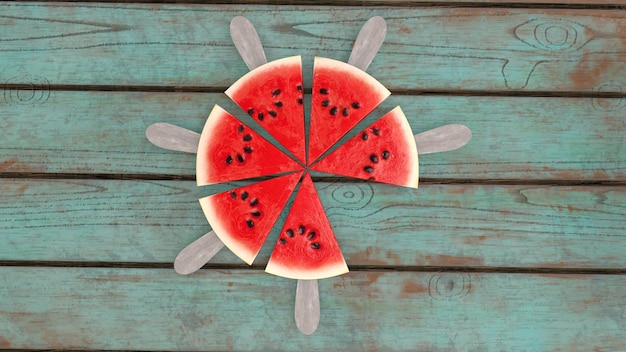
(345, 112)
(247, 150)
(371, 179)
(364, 136)
(385, 154)
(375, 131)
(240, 129)
(301, 229)
(289, 232)
(247, 138)
(229, 159)
(311, 235)
(325, 103)
(368, 169)
(300, 101)
(250, 111)
(299, 88)
(278, 103)
(254, 202)
(315, 245)
(333, 111)
(374, 158)
(260, 116)
(250, 223)
(275, 92)
(244, 195)
(323, 91)
(256, 213)
(233, 195)
(240, 158)
(282, 241)
(356, 105)
(272, 113)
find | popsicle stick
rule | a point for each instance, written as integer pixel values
(369, 40)
(247, 42)
(197, 253)
(307, 309)
(443, 139)
(172, 137)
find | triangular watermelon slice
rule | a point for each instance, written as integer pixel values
(342, 96)
(272, 95)
(306, 248)
(242, 218)
(229, 151)
(383, 152)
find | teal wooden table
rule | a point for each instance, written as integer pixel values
(515, 242)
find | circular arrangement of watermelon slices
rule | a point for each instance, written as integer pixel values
(273, 96)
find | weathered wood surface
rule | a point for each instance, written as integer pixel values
(436, 225)
(537, 198)
(513, 137)
(135, 309)
(476, 49)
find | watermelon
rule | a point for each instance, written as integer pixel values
(243, 217)
(229, 150)
(342, 96)
(306, 248)
(272, 95)
(384, 152)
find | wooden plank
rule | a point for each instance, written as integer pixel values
(590, 3)
(555, 50)
(133, 309)
(513, 137)
(436, 225)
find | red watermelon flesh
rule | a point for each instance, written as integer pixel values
(383, 152)
(242, 218)
(306, 248)
(229, 151)
(272, 95)
(342, 96)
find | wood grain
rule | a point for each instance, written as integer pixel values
(436, 225)
(493, 49)
(529, 138)
(135, 309)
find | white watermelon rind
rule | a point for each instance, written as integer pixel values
(372, 82)
(412, 177)
(272, 65)
(202, 164)
(400, 117)
(327, 271)
(204, 176)
(223, 234)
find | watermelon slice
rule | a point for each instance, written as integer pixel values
(342, 96)
(242, 218)
(272, 95)
(306, 248)
(383, 152)
(229, 150)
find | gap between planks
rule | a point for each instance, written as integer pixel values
(369, 268)
(422, 181)
(526, 4)
(404, 92)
